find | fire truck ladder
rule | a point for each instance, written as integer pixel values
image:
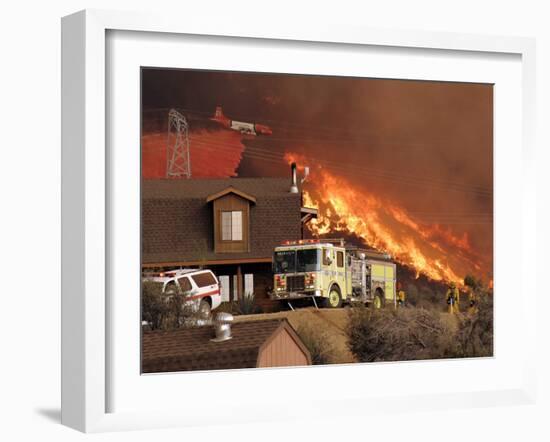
(178, 161)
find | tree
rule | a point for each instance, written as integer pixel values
(154, 308)
(166, 309)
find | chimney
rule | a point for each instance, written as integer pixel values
(294, 186)
(222, 327)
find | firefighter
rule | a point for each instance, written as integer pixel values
(400, 295)
(453, 298)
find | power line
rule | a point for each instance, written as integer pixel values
(399, 178)
(383, 174)
(278, 123)
(365, 173)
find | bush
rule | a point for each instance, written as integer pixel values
(246, 305)
(418, 333)
(475, 334)
(167, 310)
(318, 343)
(154, 307)
(227, 307)
(398, 335)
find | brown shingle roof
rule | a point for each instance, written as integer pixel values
(203, 187)
(177, 222)
(192, 349)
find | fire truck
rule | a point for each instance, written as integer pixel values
(332, 273)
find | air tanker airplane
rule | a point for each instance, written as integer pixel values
(240, 126)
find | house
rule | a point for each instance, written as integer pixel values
(230, 226)
(269, 343)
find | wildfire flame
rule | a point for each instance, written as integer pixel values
(343, 207)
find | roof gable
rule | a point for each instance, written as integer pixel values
(232, 190)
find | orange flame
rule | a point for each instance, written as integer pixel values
(431, 250)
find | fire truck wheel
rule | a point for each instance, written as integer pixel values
(334, 299)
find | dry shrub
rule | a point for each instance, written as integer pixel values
(318, 343)
(475, 334)
(398, 335)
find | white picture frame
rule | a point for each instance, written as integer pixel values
(86, 208)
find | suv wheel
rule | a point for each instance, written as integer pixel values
(204, 309)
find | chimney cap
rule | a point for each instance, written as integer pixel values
(222, 326)
(294, 183)
(223, 318)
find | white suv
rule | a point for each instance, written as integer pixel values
(200, 287)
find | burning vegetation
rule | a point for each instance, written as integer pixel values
(345, 209)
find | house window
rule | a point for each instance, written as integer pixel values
(231, 212)
(232, 225)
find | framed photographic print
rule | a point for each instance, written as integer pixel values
(264, 211)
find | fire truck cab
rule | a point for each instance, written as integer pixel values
(333, 273)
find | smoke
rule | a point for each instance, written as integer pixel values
(426, 147)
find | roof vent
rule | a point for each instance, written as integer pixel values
(222, 326)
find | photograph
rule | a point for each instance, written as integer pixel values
(290, 220)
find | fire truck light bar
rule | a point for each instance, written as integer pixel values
(301, 241)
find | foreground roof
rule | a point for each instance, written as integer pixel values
(192, 348)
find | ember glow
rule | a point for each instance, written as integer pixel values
(344, 208)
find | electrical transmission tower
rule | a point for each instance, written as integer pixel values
(178, 162)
